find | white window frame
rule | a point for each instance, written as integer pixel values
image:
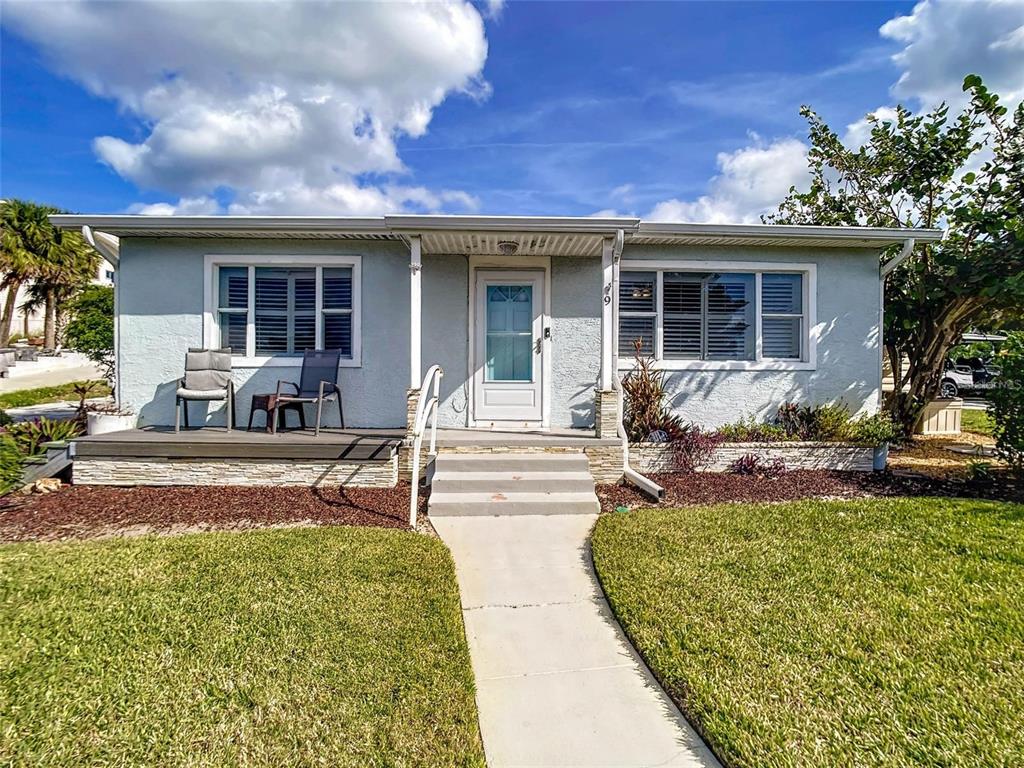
(211, 316)
(810, 329)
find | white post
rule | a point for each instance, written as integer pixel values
(607, 319)
(415, 310)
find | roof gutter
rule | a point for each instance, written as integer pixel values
(889, 266)
(108, 245)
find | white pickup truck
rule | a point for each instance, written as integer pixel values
(968, 376)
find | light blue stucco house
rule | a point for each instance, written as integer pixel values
(530, 317)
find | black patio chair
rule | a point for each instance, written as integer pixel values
(318, 382)
(207, 378)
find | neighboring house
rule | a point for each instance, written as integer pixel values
(519, 311)
(30, 323)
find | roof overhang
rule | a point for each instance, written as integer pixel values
(532, 235)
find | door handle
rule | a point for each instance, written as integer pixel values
(537, 345)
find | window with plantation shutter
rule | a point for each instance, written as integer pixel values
(269, 310)
(713, 316)
(638, 312)
(782, 320)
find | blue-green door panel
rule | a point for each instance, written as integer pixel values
(509, 333)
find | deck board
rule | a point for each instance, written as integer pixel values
(362, 445)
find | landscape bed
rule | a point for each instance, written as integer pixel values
(82, 511)
(325, 646)
(864, 632)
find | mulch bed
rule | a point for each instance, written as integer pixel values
(718, 487)
(90, 511)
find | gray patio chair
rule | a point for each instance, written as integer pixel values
(207, 378)
(318, 382)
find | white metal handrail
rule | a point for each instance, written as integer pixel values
(425, 408)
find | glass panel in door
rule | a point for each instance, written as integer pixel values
(509, 332)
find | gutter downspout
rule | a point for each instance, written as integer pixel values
(109, 247)
(631, 475)
(886, 269)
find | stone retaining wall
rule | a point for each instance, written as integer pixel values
(189, 471)
(647, 457)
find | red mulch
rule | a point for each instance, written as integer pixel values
(718, 487)
(87, 511)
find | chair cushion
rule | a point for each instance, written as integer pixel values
(202, 394)
(207, 369)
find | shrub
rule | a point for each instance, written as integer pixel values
(1008, 402)
(91, 327)
(646, 414)
(11, 462)
(829, 422)
(750, 431)
(29, 436)
(873, 430)
(751, 464)
(693, 447)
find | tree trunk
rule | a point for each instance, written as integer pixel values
(8, 315)
(50, 322)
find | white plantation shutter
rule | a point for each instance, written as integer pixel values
(285, 310)
(683, 308)
(782, 316)
(638, 312)
(233, 306)
(729, 317)
(337, 309)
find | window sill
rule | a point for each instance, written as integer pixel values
(282, 362)
(726, 365)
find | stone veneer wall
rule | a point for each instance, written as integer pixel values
(658, 458)
(189, 471)
(606, 406)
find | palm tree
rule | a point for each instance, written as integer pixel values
(54, 263)
(23, 231)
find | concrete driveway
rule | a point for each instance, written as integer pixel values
(557, 682)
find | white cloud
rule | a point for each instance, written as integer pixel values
(944, 40)
(858, 133)
(285, 103)
(186, 206)
(751, 181)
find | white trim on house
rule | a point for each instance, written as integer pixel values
(811, 330)
(211, 327)
(510, 264)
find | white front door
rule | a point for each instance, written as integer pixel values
(508, 348)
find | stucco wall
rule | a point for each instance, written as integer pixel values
(445, 301)
(161, 301)
(576, 340)
(848, 359)
(161, 305)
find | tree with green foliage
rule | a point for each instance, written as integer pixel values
(54, 264)
(90, 329)
(964, 174)
(1008, 401)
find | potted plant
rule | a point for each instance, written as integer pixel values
(101, 418)
(877, 431)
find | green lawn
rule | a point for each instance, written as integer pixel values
(858, 633)
(23, 397)
(978, 421)
(320, 646)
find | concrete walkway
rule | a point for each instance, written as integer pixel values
(557, 682)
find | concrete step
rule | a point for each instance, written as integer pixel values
(511, 462)
(447, 481)
(447, 504)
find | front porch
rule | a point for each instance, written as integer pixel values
(355, 457)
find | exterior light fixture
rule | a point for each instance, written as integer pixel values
(507, 247)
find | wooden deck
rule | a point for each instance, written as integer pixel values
(351, 445)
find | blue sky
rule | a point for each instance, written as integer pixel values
(669, 110)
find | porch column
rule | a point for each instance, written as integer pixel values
(415, 311)
(605, 400)
(607, 320)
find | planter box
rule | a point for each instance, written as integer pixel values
(102, 423)
(941, 417)
(655, 458)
